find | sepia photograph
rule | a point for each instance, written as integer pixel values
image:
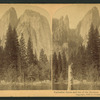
(76, 47)
(25, 40)
(50, 50)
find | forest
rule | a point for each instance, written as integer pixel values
(19, 62)
(86, 61)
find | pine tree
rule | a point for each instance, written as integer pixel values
(90, 45)
(93, 52)
(81, 63)
(43, 66)
(8, 45)
(43, 56)
(8, 49)
(90, 53)
(30, 52)
(11, 52)
(1, 63)
(15, 52)
(59, 64)
(64, 66)
(15, 45)
(96, 47)
(35, 59)
(96, 54)
(55, 66)
(23, 56)
(93, 46)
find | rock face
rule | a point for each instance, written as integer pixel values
(36, 26)
(60, 29)
(92, 17)
(71, 39)
(32, 24)
(64, 38)
(9, 18)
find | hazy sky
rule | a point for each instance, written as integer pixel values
(75, 12)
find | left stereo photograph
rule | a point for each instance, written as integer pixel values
(25, 48)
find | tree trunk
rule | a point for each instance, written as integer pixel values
(70, 78)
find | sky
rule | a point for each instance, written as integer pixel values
(75, 12)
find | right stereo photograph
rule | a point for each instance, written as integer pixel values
(76, 47)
